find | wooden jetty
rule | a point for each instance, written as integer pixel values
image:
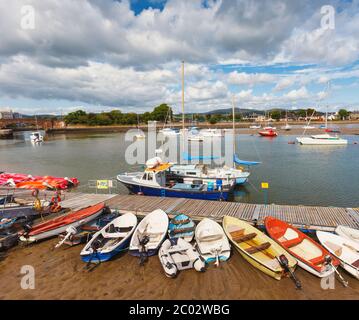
(304, 217)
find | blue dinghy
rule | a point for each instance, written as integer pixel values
(181, 226)
(110, 240)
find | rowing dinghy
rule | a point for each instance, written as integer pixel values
(181, 226)
(110, 240)
(177, 254)
(212, 242)
(348, 233)
(149, 235)
(257, 248)
(311, 256)
(55, 226)
(347, 251)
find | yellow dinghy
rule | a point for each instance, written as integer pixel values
(258, 249)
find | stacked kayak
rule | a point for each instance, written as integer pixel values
(19, 180)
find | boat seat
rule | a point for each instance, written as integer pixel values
(291, 243)
(356, 264)
(207, 236)
(318, 260)
(261, 247)
(243, 237)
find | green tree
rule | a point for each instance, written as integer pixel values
(276, 115)
(162, 113)
(343, 114)
(76, 117)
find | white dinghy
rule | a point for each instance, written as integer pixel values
(348, 233)
(110, 240)
(177, 254)
(213, 245)
(347, 251)
(149, 235)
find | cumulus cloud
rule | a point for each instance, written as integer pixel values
(101, 52)
(249, 78)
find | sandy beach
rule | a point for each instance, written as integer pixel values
(60, 274)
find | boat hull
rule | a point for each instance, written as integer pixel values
(102, 257)
(329, 142)
(166, 192)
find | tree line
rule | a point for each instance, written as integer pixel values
(164, 113)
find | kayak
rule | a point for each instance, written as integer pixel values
(311, 256)
(347, 251)
(55, 226)
(257, 248)
(24, 181)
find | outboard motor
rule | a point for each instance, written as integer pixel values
(143, 253)
(284, 263)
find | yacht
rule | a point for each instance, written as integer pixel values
(322, 139)
(36, 137)
(192, 172)
(169, 132)
(211, 133)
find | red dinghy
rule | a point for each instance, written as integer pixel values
(268, 133)
(58, 225)
(311, 255)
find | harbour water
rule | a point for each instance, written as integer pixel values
(300, 175)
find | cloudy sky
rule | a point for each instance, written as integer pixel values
(105, 54)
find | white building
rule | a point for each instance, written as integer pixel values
(6, 114)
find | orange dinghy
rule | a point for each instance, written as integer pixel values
(59, 225)
(311, 255)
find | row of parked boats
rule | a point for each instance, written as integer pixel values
(26, 181)
(181, 244)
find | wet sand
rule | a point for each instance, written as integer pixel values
(60, 274)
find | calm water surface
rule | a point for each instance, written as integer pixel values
(307, 175)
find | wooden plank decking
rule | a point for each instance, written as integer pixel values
(305, 217)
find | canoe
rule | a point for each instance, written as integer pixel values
(348, 233)
(110, 240)
(311, 255)
(347, 251)
(55, 226)
(178, 254)
(149, 234)
(181, 226)
(257, 248)
(212, 242)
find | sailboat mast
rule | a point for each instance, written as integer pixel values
(326, 118)
(233, 128)
(183, 97)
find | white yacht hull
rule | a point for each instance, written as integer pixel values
(312, 141)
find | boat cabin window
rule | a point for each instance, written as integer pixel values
(191, 173)
(147, 176)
